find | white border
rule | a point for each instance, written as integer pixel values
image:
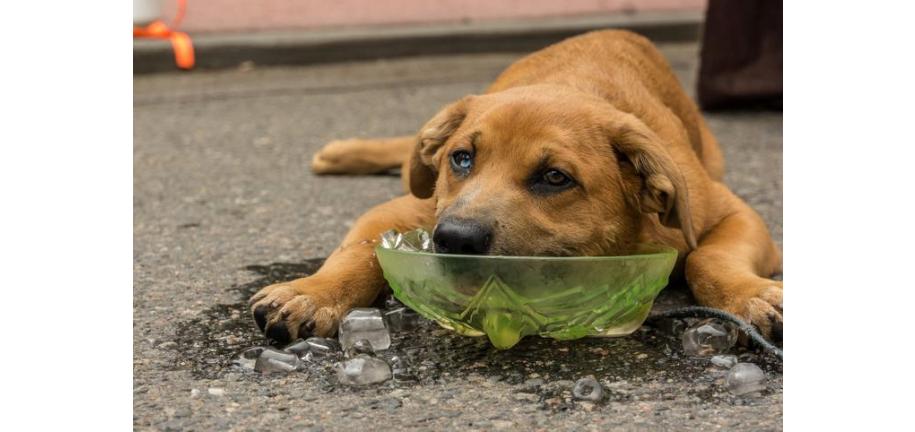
(66, 219)
(848, 230)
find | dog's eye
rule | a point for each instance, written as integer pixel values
(461, 161)
(556, 178)
(551, 181)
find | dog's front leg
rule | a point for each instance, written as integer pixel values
(732, 267)
(349, 278)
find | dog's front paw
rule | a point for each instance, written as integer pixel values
(762, 308)
(296, 309)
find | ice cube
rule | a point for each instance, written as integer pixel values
(364, 323)
(299, 348)
(248, 357)
(273, 360)
(745, 378)
(363, 370)
(401, 369)
(401, 319)
(322, 346)
(725, 361)
(708, 337)
(588, 389)
(271, 365)
(671, 326)
(390, 239)
(392, 303)
(361, 346)
(416, 240)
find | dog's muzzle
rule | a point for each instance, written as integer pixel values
(461, 236)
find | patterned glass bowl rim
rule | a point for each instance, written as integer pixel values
(652, 252)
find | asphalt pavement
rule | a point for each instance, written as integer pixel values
(224, 203)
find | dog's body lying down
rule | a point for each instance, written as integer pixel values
(586, 147)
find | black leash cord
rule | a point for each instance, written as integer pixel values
(707, 312)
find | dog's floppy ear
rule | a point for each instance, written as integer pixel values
(662, 188)
(431, 137)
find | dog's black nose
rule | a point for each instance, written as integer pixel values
(461, 236)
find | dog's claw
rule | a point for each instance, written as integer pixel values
(260, 316)
(776, 328)
(278, 332)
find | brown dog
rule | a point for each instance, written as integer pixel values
(586, 147)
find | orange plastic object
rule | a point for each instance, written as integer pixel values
(181, 42)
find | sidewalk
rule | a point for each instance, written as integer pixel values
(219, 51)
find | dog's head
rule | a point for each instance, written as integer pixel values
(538, 171)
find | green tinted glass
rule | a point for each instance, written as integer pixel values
(507, 298)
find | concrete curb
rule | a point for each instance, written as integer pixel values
(220, 51)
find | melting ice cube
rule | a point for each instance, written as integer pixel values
(745, 378)
(322, 346)
(272, 360)
(708, 337)
(247, 358)
(362, 370)
(401, 319)
(416, 240)
(361, 346)
(364, 323)
(299, 348)
(725, 361)
(401, 369)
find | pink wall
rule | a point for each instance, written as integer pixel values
(245, 15)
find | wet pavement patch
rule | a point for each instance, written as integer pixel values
(540, 370)
(206, 345)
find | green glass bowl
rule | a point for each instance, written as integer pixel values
(507, 297)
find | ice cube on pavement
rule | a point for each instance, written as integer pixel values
(401, 369)
(401, 319)
(322, 346)
(671, 326)
(588, 389)
(745, 378)
(392, 303)
(364, 323)
(725, 361)
(361, 346)
(708, 337)
(299, 347)
(271, 365)
(248, 357)
(362, 370)
(273, 360)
